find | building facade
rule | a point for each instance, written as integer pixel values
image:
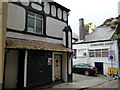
(97, 55)
(38, 44)
(97, 48)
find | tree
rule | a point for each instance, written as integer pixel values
(90, 27)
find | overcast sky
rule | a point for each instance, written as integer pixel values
(96, 11)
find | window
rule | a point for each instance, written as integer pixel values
(35, 23)
(105, 53)
(98, 53)
(91, 53)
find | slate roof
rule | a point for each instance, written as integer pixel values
(34, 45)
(101, 34)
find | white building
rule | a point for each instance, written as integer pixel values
(94, 49)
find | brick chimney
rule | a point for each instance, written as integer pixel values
(82, 30)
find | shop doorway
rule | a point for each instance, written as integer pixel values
(99, 66)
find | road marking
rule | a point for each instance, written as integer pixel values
(106, 83)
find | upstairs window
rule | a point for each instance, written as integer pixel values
(35, 23)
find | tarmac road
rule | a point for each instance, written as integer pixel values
(110, 84)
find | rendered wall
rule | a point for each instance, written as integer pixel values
(17, 19)
(54, 27)
(11, 71)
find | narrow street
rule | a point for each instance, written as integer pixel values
(83, 82)
(111, 84)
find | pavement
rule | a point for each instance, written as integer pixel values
(111, 84)
(82, 82)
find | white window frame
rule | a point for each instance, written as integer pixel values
(35, 18)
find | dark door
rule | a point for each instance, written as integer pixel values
(38, 70)
(99, 66)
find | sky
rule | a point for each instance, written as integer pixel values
(95, 11)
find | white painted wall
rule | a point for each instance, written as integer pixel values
(53, 10)
(65, 15)
(64, 38)
(16, 21)
(31, 37)
(25, 2)
(59, 13)
(55, 27)
(16, 17)
(69, 39)
(11, 69)
(46, 8)
(92, 60)
(36, 6)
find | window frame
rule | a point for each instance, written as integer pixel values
(104, 51)
(92, 51)
(35, 17)
(95, 51)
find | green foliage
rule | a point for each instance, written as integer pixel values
(35, 47)
(9, 43)
(42, 48)
(118, 36)
(90, 26)
(22, 47)
(112, 22)
(113, 26)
